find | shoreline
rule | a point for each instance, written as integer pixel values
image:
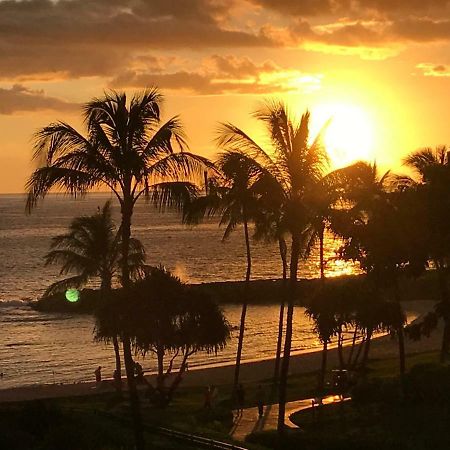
(383, 347)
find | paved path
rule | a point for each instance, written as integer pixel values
(247, 421)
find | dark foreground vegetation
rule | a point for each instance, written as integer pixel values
(378, 416)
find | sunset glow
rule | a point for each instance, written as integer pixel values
(348, 135)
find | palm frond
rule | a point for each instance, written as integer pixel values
(74, 182)
(55, 140)
(76, 281)
(179, 165)
(160, 143)
(173, 194)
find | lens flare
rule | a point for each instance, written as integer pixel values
(72, 295)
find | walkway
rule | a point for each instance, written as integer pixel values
(247, 421)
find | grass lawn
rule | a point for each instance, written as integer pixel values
(101, 421)
(379, 416)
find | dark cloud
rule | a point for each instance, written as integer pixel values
(42, 39)
(21, 99)
(93, 37)
(222, 74)
(421, 29)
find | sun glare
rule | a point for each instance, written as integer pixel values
(349, 136)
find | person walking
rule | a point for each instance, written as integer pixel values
(207, 403)
(240, 397)
(98, 375)
(260, 400)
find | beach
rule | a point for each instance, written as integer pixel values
(383, 347)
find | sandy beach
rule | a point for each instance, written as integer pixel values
(382, 347)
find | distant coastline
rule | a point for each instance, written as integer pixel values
(261, 292)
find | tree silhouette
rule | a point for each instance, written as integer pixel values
(431, 184)
(233, 199)
(169, 319)
(91, 250)
(129, 151)
(380, 237)
(291, 167)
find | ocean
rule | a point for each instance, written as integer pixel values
(38, 348)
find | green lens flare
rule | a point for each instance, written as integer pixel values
(72, 295)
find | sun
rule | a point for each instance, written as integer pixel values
(349, 135)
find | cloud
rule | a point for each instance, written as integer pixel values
(21, 99)
(67, 39)
(369, 28)
(224, 74)
(434, 70)
(421, 29)
(354, 8)
(93, 37)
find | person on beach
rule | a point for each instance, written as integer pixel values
(98, 374)
(207, 403)
(139, 372)
(260, 400)
(240, 397)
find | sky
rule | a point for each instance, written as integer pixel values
(379, 69)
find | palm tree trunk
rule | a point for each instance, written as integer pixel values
(321, 251)
(283, 254)
(366, 350)
(160, 378)
(117, 357)
(323, 368)
(105, 289)
(358, 353)
(401, 340)
(295, 255)
(127, 212)
(352, 348)
(244, 307)
(340, 352)
(443, 289)
(322, 278)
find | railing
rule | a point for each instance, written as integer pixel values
(199, 441)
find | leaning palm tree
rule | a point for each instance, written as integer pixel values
(91, 250)
(288, 169)
(128, 150)
(235, 201)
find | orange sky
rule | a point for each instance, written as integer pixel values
(382, 66)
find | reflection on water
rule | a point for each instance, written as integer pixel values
(48, 348)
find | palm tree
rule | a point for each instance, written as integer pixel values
(377, 236)
(234, 200)
(91, 249)
(432, 168)
(291, 167)
(128, 150)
